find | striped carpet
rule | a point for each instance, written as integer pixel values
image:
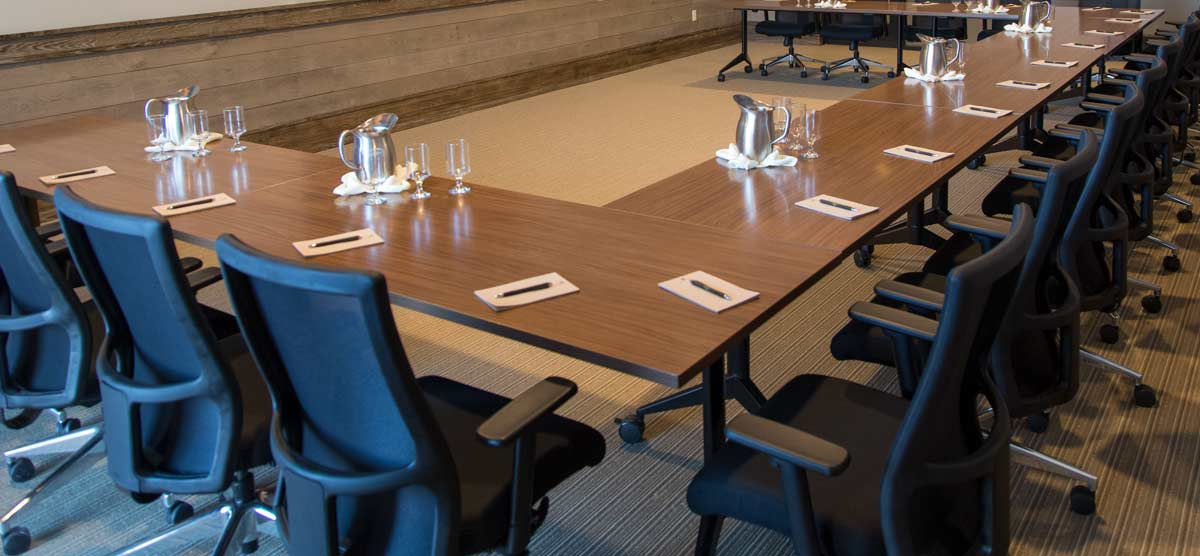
(597, 142)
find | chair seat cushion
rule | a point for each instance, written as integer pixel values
(742, 484)
(784, 29)
(563, 447)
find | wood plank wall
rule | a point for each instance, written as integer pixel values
(295, 75)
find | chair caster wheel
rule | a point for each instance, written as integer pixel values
(720, 78)
(143, 497)
(70, 425)
(17, 540)
(1189, 156)
(803, 74)
(180, 512)
(976, 162)
(791, 64)
(1195, 179)
(1171, 263)
(824, 76)
(250, 546)
(862, 258)
(1109, 333)
(1083, 500)
(865, 79)
(1038, 422)
(1152, 304)
(891, 74)
(748, 69)
(855, 70)
(632, 429)
(21, 470)
(1144, 396)
(764, 73)
(1184, 216)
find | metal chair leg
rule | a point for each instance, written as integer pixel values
(1023, 455)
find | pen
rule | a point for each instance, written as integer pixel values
(527, 289)
(1026, 83)
(988, 110)
(919, 151)
(1085, 45)
(837, 205)
(346, 239)
(74, 174)
(711, 290)
(1056, 63)
(191, 203)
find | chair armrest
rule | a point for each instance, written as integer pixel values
(57, 248)
(1026, 174)
(913, 296)
(788, 444)
(518, 415)
(1039, 162)
(24, 322)
(894, 320)
(1122, 73)
(1102, 98)
(1155, 42)
(47, 231)
(1139, 58)
(1164, 34)
(190, 264)
(1174, 23)
(1099, 133)
(203, 278)
(978, 225)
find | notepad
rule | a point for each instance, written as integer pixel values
(6, 149)
(77, 175)
(537, 288)
(920, 154)
(1138, 12)
(982, 111)
(838, 208)
(194, 205)
(1083, 45)
(1055, 63)
(1096, 9)
(708, 291)
(1123, 20)
(1105, 33)
(338, 242)
(1028, 85)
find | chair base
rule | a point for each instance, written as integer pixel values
(792, 59)
(1083, 497)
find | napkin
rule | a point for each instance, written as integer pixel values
(191, 145)
(986, 10)
(1041, 28)
(739, 161)
(830, 4)
(351, 186)
(948, 76)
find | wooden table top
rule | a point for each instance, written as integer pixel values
(881, 7)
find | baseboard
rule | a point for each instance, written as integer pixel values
(320, 132)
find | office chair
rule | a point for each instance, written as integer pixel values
(855, 28)
(790, 26)
(845, 469)
(185, 411)
(380, 461)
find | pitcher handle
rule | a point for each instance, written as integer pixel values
(957, 52)
(787, 124)
(342, 150)
(146, 110)
(1047, 15)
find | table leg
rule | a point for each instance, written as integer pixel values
(714, 408)
(744, 55)
(901, 29)
(738, 383)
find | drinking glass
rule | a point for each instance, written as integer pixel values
(796, 131)
(416, 158)
(778, 104)
(199, 124)
(458, 164)
(956, 4)
(156, 129)
(373, 173)
(812, 132)
(235, 126)
(961, 65)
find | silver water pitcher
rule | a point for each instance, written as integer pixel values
(1033, 13)
(175, 108)
(934, 60)
(756, 127)
(371, 138)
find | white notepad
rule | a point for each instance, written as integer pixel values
(1083, 45)
(830, 207)
(77, 175)
(1027, 85)
(711, 300)
(1105, 33)
(1123, 20)
(1055, 63)
(556, 286)
(1138, 12)
(920, 154)
(1096, 9)
(330, 244)
(982, 111)
(194, 205)
(6, 149)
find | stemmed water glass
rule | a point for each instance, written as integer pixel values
(458, 164)
(198, 121)
(812, 132)
(156, 129)
(796, 131)
(373, 173)
(416, 159)
(235, 126)
(956, 4)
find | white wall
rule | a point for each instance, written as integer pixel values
(21, 16)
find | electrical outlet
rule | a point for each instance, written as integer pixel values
(693, 15)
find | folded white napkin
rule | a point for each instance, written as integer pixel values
(191, 145)
(986, 10)
(830, 4)
(351, 186)
(739, 161)
(948, 76)
(1041, 28)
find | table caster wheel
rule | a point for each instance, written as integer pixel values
(1184, 216)
(1083, 500)
(1152, 304)
(70, 425)
(1195, 179)
(803, 73)
(632, 429)
(1038, 422)
(21, 470)
(891, 74)
(865, 79)
(1171, 263)
(720, 78)
(180, 512)
(1109, 333)
(17, 540)
(748, 69)
(1144, 396)
(976, 162)
(862, 257)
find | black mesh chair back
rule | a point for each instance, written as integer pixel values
(802, 21)
(46, 360)
(172, 411)
(386, 441)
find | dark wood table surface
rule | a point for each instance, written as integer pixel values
(881, 7)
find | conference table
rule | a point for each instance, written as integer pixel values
(739, 225)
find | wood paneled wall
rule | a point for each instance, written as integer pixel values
(295, 75)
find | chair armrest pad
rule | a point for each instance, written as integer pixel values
(1140, 58)
(913, 296)
(895, 320)
(1040, 162)
(1102, 99)
(47, 231)
(518, 415)
(788, 444)
(1026, 174)
(976, 224)
(203, 278)
(1174, 23)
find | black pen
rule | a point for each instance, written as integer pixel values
(191, 203)
(527, 289)
(988, 110)
(1085, 45)
(1026, 83)
(919, 151)
(1056, 63)
(346, 239)
(837, 205)
(74, 174)
(711, 290)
